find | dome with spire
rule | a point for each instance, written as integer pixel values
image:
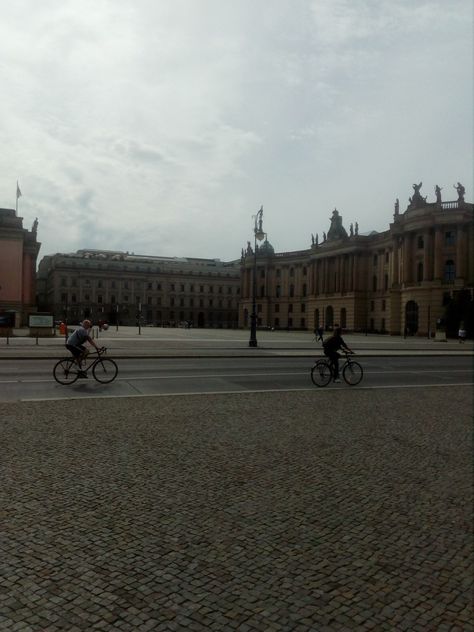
(266, 248)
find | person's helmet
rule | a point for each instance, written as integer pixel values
(86, 323)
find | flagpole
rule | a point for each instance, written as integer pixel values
(18, 194)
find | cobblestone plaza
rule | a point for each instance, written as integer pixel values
(271, 511)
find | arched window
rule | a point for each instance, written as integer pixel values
(419, 272)
(278, 291)
(449, 271)
(374, 283)
(292, 290)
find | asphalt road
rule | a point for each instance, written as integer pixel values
(28, 380)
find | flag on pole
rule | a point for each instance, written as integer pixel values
(18, 192)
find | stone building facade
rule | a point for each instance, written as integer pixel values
(19, 250)
(118, 287)
(412, 278)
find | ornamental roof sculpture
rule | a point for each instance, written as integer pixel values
(336, 230)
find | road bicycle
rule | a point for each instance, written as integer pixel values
(104, 370)
(351, 371)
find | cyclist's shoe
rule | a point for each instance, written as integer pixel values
(337, 381)
(82, 374)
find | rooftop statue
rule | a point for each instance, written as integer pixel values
(351, 230)
(336, 230)
(397, 206)
(356, 228)
(461, 191)
(438, 194)
(417, 200)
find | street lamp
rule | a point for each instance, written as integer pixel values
(258, 235)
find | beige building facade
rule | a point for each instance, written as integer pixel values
(19, 250)
(414, 278)
(119, 287)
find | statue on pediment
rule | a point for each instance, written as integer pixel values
(336, 230)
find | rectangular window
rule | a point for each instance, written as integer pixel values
(112, 299)
(182, 287)
(63, 298)
(172, 286)
(259, 308)
(150, 285)
(303, 307)
(383, 305)
(449, 238)
(172, 302)
(99, 298)
(148, 300)
(290, 307)
(277, 308)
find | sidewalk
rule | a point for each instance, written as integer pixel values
(153, 342)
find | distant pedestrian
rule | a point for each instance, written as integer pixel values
(319, 332)
(462, 333)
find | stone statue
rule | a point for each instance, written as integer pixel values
(34, 228)
(351, 230)
(461, 191)
(312, 239)
(316, 241)
(356, 228)
(336, 230)
(417, 201)
(324, 236)
(397, 206)
(249, 248)
(438, 194)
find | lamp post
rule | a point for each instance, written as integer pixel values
(258, 235)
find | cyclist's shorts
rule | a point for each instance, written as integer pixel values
(76, 351)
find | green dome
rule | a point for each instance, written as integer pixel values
(266, 248)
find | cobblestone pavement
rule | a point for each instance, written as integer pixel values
(348, 510)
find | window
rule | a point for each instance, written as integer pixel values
(278, 291)
(303, 307)
(172, 302)
(74, 283)
(449, 238)
(277, 308)
(201, 303)
(181, 302)
(149, 301)
(99, 298)
(86, 297)
(191, 302)
(383, 305)
(304, 270)
(259, 307)
(125, 298)
(386, 257)
(99, 283)
(278, 273)
(63, 298)
(385, 282)
(158, 286)
(292, 290)
(371, 306)
(210, 302)
(262, 273)
(374, 283)
(201, 288)
(112, 299)
(375, 260)
(419, 272)
(191, 288)
(182, 287)
(229, 290)
(290, 307)
(73, 298)
(449, 271)
(220, 289)
(303, 322)
(172, 287)
(420, 242)
(292, 272)
(63, 282)
(211, 289)
(262, 291)
(304, 289)
(112, 285)
(150, 285)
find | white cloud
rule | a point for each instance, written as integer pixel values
(161, 127)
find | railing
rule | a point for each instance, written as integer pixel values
(448, 205)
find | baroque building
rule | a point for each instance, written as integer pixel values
(18, 253)
(119, 287)
(413, 278)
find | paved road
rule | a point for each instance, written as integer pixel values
(20, 380)
(253, 512)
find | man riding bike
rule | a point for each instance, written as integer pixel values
(331, 347)
(75, 344)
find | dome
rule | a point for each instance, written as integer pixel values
(266, 248)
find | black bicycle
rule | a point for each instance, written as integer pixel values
(104, 370)
(322, 372)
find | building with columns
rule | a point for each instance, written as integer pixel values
(416, 276)
(18, 253)
(120, 287)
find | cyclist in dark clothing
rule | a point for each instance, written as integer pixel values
(331, 347)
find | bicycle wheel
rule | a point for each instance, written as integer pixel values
(105, 370)
(352, 373)
(66, 371)
(321, 373)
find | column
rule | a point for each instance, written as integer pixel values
(461, 254)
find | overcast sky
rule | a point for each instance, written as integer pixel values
(161, 126)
